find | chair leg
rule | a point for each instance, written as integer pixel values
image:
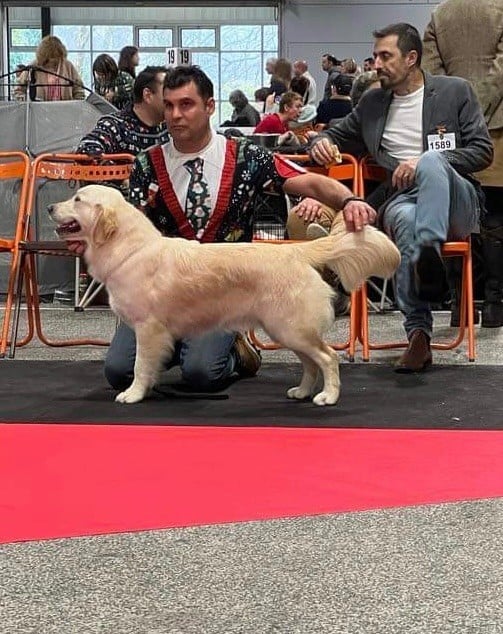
(18, 283)
(11, 302)
(364, 324)
(468, 281)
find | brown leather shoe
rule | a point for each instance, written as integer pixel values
(247, 355)
(417, 357)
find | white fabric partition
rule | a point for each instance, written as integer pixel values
(38, 127)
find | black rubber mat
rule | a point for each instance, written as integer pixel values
(446, 397)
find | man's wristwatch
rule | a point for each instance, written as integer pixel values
(350, 199)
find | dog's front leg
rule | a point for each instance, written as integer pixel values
(154, 345)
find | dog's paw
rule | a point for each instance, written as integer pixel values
(131, 395)
(298, 393)
(326, 398)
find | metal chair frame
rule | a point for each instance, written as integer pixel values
(348, 171)
(14, 165)
(68, 167)
(368, 169)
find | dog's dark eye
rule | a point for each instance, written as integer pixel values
(77, 199)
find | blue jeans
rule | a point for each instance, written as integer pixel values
(441, 206)
(206, 362)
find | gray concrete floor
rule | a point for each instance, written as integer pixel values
(421, 570)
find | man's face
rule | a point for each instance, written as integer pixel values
(153, 98)
(325, 64)
(393, 68)
(298, 69)
(187, 115)
(368, 65)
(294, 110)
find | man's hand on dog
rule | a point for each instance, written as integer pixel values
(357, 213)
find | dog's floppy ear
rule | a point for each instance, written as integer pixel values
(105, 226)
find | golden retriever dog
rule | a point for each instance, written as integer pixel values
(168, 289)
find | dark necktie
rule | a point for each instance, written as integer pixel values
(197, 206)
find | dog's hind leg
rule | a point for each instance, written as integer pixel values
(154, 345)
(308, 343)
(309, 377)
(327, 361)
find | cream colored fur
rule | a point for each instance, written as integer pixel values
(170, 288)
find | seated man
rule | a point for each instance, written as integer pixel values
(202, 186)
(138, 126)
(290, 107)
(429, 133)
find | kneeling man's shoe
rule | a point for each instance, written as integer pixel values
(430, 276)
(417, 357)
(247, 355)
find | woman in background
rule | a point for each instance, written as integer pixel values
(129, 59)
(53, 77)
(114, 85)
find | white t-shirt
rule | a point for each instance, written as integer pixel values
(403, 132)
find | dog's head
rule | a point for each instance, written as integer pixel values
(90, 215)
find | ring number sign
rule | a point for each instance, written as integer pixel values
(178, 56)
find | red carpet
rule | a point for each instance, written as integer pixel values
(69, 480)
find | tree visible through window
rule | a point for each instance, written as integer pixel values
(233, 55)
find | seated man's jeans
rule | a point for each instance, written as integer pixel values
(441, 206)
(206, 362)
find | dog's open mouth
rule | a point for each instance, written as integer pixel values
(66, 228)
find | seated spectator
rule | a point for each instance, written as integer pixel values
(260, 96)
(114, 85)
(53, 77)
(129, 59)
(369, 63)
(366, 81)
(244, 114)
(138, 126)
(339, 104)
(307, 116)
(290, 107)
(430, 196)
(300, 69)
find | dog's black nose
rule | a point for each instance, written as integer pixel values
(50, 208)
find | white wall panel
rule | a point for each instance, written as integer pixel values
(343, 28)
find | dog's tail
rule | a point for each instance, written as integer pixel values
(353, 256)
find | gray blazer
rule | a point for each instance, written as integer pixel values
(449, 103)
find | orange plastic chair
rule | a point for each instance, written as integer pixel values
(369, 170)
(346, 171)
(15, 168)
(73, 168)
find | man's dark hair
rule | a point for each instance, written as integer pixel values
(369, 59)
(261, 93)
(343, 84)
(183, 75)
(408, 38)
(146, 79)
(332, 59)
(299, 85)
